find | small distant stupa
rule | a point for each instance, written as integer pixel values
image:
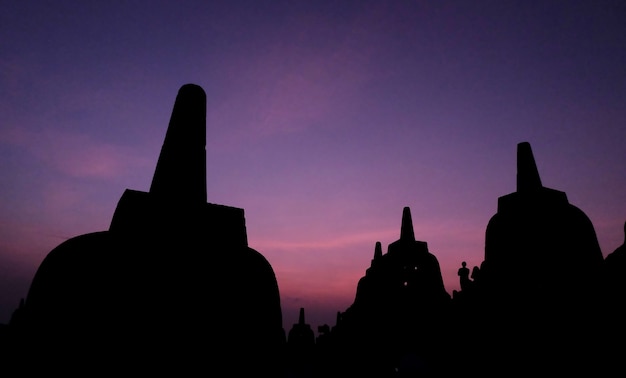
(301, 334)
(171, 285)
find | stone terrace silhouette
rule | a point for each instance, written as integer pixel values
(171, 286)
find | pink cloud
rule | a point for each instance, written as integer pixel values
(76, 154)
(289, 85)
(324, 243)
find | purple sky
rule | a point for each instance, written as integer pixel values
(324, 119)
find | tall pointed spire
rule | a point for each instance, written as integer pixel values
(301, 316)
(378, 250)
(406, 230)
(527, 173)
(180, 173)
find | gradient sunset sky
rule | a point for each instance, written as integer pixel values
(324, 120)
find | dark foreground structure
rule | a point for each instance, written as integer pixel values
(543, 302)
(172, 288)
(537, 302)
(400, 313)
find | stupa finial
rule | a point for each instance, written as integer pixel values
(527, 173)
(180, 172)
(406, 230)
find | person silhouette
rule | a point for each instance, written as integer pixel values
(464, 273)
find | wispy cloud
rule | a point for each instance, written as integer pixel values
(76, 155)
(292, 83)
(326, 243)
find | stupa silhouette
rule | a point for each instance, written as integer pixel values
(536, 301)
(537, 239)
(172, 284)
(301, 334)
(397, 323)
(301, 359)
(407, 274)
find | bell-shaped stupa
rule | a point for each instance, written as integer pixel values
(537, 239)
(171, 286)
